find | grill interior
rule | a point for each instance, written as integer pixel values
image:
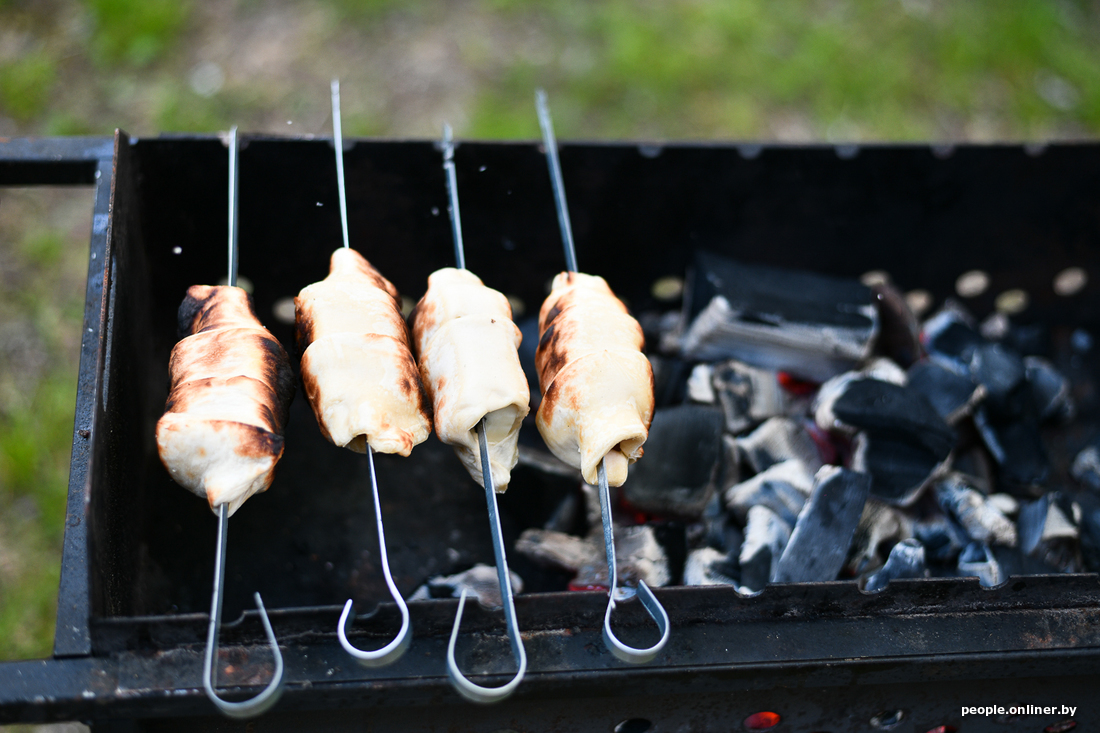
(925, 215)
(638, 213)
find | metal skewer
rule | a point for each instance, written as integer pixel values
(649, 600)
(270, 694)
(338, 143)
(551, 144)
(392, 651)
(464, 686)
(452, 196)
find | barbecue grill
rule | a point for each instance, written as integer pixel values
(137, 558)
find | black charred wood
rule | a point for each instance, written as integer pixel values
(765, 537)
(780, 439)
(899, 329)
(891, 410)
(811, 325)
(942, 537)
(906, 560)
(783, 488)
(825, 527)
(978, 560)
(949, 392)
(1017, 447)
(682, 463)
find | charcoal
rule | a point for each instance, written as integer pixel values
(952, 395)
(671, 332)
(829, 393)
(566, 515)
(700, 387)
(950, 335)
(878, 407)
(1049, 389)
(998, 368)
(765, 537)
(1004, 503)
(670, 378)
(683, 460)
(975, 464)
(810, 325)
(880, 526)
(884, 370)
(823, 532)
(547, 462)
(903, 441)
(638, 555)
(1032, 339)
(943, 538)
(480, 581)
(779, 439)
(749, 395)
(782, 488)
(1017, 447)
(906, 561)
(558, 549)
(983, 522)
(732, 470)
(1001, 372)
(708, 566)
(1086, 468)
(1043, 520)
(976, 559)
(1089, 529)
(900, 467)
(662, 328)
(593, 512)
(1013, 561)
(672, 536)
(718, 530)
(1048, 534)
(899, 329)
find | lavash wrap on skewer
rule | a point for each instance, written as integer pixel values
(467, 346)
(231, 386)
(597, 385)
(357, 371)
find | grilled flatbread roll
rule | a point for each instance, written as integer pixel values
(222, 430)
(358, 374)
(597, 385)
(466, 343)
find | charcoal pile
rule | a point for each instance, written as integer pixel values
(811, 428)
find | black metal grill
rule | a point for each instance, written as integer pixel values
(137, 565)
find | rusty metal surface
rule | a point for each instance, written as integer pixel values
(914, 632)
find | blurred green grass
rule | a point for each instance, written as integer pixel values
(135, 33)
(643, 69)
(37, 393)
(737, 69)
